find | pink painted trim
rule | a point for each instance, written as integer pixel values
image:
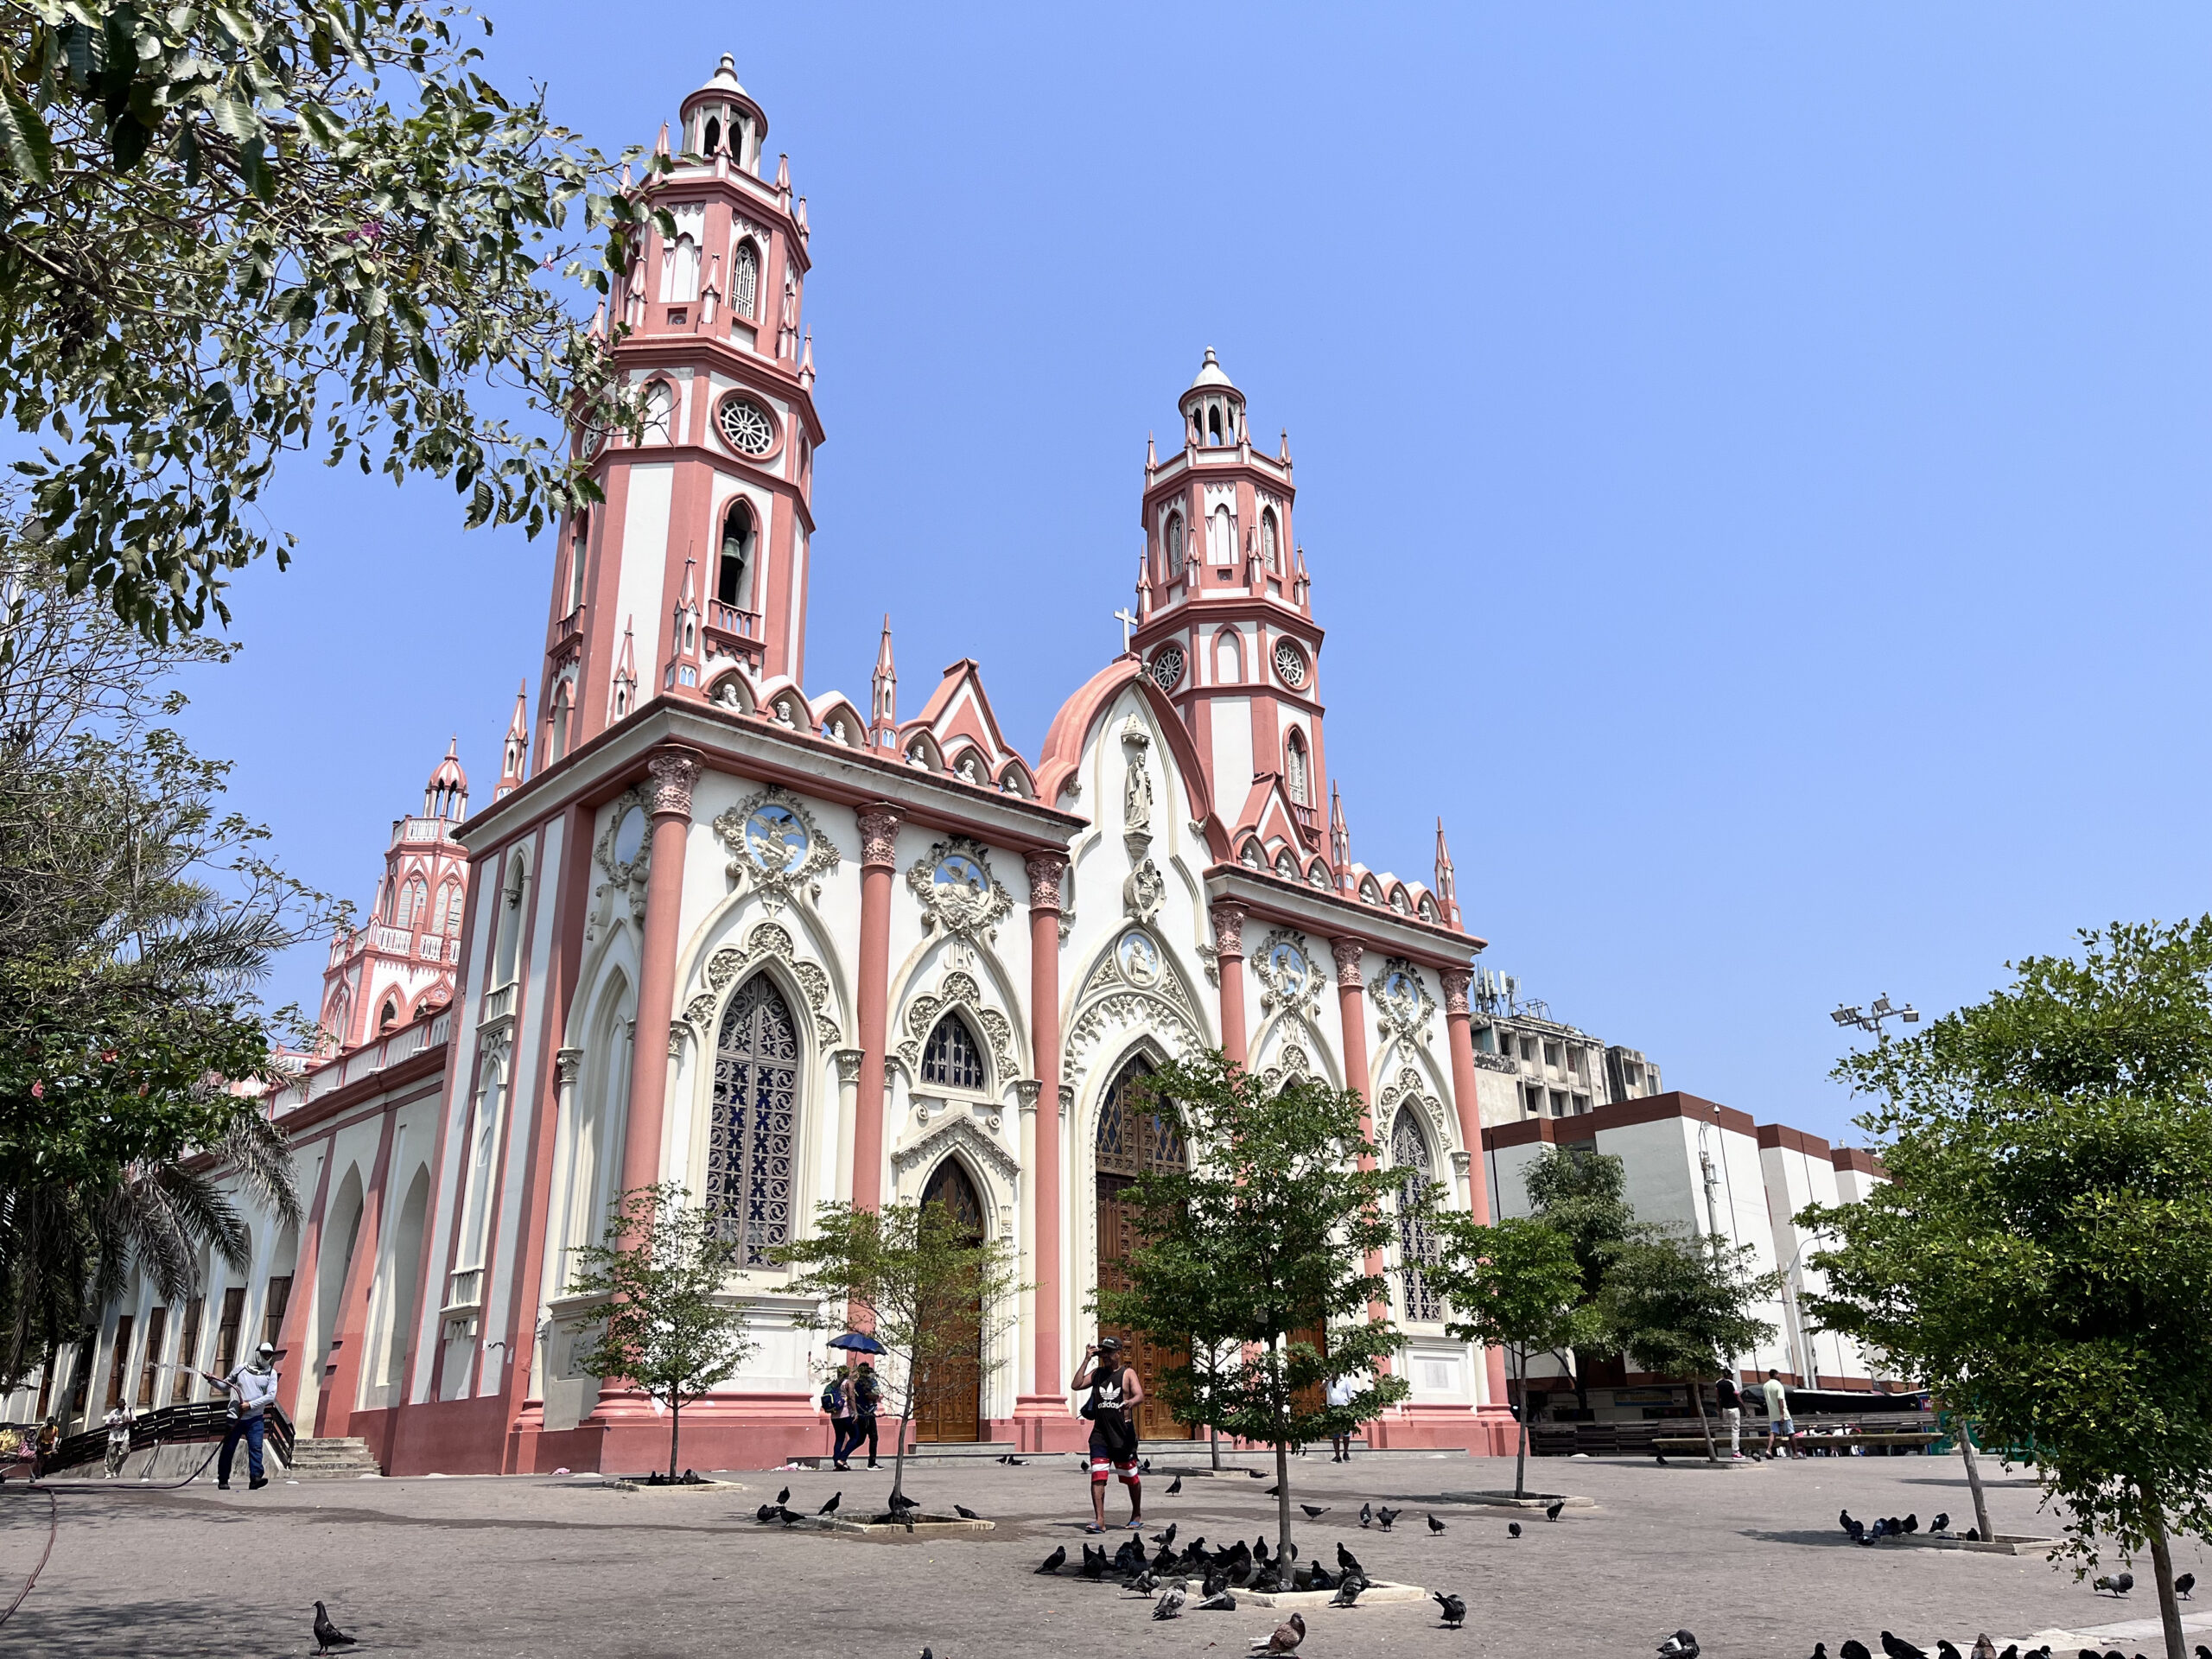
(1045, 1043)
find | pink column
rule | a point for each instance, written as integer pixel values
(1229, 954)
(673, 772)
(341, 1374)
(879, 826)
(1351, 1008)
(1046, 871)
(292, 1336)
(1456, 981)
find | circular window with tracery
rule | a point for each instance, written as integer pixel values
(1290, 664)
(1168, 666)
(746, 425)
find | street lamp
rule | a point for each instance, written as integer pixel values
(1871, 1019)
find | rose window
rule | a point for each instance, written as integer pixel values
(1289, 664)
(1168, 666)
(747, 427)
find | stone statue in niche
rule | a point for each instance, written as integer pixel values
(1137, 796)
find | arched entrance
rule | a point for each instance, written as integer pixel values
(949, 1402)
(1134, 1139)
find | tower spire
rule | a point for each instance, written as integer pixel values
(514, 754)
(1339, 839)
(883, 718)
(1447, 894)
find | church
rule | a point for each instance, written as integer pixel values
(718, 929)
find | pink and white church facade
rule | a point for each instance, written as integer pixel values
(782, 946)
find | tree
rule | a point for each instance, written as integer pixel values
(912, 1275)
(1255, 1249)
(2041, 1256)
(670, 1326)
(1679, 1306)
(229, 232)
(1583, 1195)
(1513, 1284)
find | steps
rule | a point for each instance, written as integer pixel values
(332, 1459)
(928, 1451)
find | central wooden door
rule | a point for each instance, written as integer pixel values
(1132, 1139)
(949, 1402)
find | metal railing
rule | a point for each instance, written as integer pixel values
(202, 1420)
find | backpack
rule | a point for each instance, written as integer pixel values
(830, 1395)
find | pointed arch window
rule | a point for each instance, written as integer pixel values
(680, 272)
(711, 140)
(1134, 1138)
(1270, 545)
(412, 893)
(1228, 659)
(753, 1140)
(1294, 770)
(1175, 553)
(1221, 537)
(450, 902)
(736, 561)
(744, 284)
(1417, 1244)
(952, 1059)
(660, 413)
(390, 1017)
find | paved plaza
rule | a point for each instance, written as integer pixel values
(1750, 1559)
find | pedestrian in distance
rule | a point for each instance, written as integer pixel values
(1340, 1396)
(1732, 1412)
(1777, 1414)
(252, 1390)
(118, 1437)
(1117, 1390)
(43, 1448)
(867, 1395)
(837, 1401)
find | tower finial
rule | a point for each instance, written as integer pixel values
(1339, 839)
(661, 148)
(883, 716)
(1447, 894)
(514, 754)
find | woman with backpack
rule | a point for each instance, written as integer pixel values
(837, 1401)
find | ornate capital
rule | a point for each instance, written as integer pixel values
(879, 835)
(1456, 981)
(1067, 1098)
(1047, 870)
(673, 772)
(1348, 953)
(1228, 927)
(567, 1063)
(1026, 1090)
(848, 1065)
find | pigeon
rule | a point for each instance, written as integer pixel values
(1843, 1519)
(1912, 1523)
(1285, 1639)
(967, 1514)
(1366, 1515)
(1386, 1516)
(1145, 1582)
(1853, 1648)
(1983, 1647)
(1321, 1579)
(1166, 1537)
(1435, 1525)
(1011, 1461)
(1312, 1513)
(2012, 1651)
(830, 1508)
(1348, 1562)
(1512, 1528)
(2183, 1583)
(927, 1654)
(1274, 1492)
(1054, 1562)
(1551, 1510)
(1221, 1601)
(2120, 1584)
(328, 1635)
(1348, 1592)
(900, 1500)
(1659, 1458)
(1820, 1651)
(1940, 1523)
(1944, 1649)
(1973, 1536)
(1681, 1645)
(1454, 1610)
(1144, 1467)
(1170, 1605)
(784, 1496)
(1898, 1647)
(1094, 1564)
(767, 1511)
(1175, 1486)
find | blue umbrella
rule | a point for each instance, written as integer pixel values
(860, 1342)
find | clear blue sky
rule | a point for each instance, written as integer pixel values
(1751, 460)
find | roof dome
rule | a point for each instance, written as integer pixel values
(1211, 373)
(446, 796)
(724, 80)
(449, 774)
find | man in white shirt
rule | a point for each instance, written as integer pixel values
(252, 1388)
(118, 1438)
(1339, 1395)
(1732, 1412)
(1777, 1414)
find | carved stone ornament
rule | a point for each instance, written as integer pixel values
(775, 844)
(1025, 1091)
(1046, 872)
(1292, 1066)
(1287, 977)
(958, 991)
(673, 772)
(879, 828)
(1138, 989)
(767, 939)
(1457, 981)
(495, 1044)
(1349, 954)
(567, 1063)
(1142, 890)
(1410, 1085)
(850, 1061)
(1136, 779)
(627, 876)
(1228, 927)
(1401, 1001)
(957, 891)
(957, 1129)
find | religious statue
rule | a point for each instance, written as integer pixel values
(1136, 797)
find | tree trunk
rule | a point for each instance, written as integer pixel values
(2162, 1567)
(1282, 1507)
(898, 1461)
(1974, 1479)
(1213, 1446)
(1520, 1417)
(675, 1421)
(1704, 1422)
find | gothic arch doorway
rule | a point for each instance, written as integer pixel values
(949, 1402)
(1134, 1139)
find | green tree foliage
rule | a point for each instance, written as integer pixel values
(1680, 1306)
(2042, 1254)
(231, 231)
(669, 1324)
(1513, 1284)
(914, 1277)
(1583, 1195)
(1256, 1247)
(136, 920)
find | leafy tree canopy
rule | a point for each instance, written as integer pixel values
(1515, 1285)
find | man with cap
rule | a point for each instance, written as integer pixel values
(1116, 1393)
(252, 1388)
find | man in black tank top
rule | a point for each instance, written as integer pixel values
(1116, 1393)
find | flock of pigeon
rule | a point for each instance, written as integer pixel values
(1898, 1647)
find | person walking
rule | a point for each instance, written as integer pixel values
(1117, 1390)
(1339, 1395)
(837, 1401)
(1732, 1412)
(867, 1395)
(42, 1449)
(1777, 1414)
(118, 1437)
(252, 1388)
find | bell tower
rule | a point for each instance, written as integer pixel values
(1227, 627)
(695, 565)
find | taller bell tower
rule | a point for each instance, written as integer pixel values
(695, 562)
(1226, 622)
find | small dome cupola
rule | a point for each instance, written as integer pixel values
(1213, 409)
(446, 796)
(721, 117)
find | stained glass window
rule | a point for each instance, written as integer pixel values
(1416, 1246)
(745, 292)
(1132, 1138)
(950, 1058)
(753, 1141)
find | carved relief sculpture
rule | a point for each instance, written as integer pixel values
(1228, 928)
(1401, 1001)
(775, 843)
(1046, 872)
(1348, 953)
(957, 891)
(879, 828)
(767, 939)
